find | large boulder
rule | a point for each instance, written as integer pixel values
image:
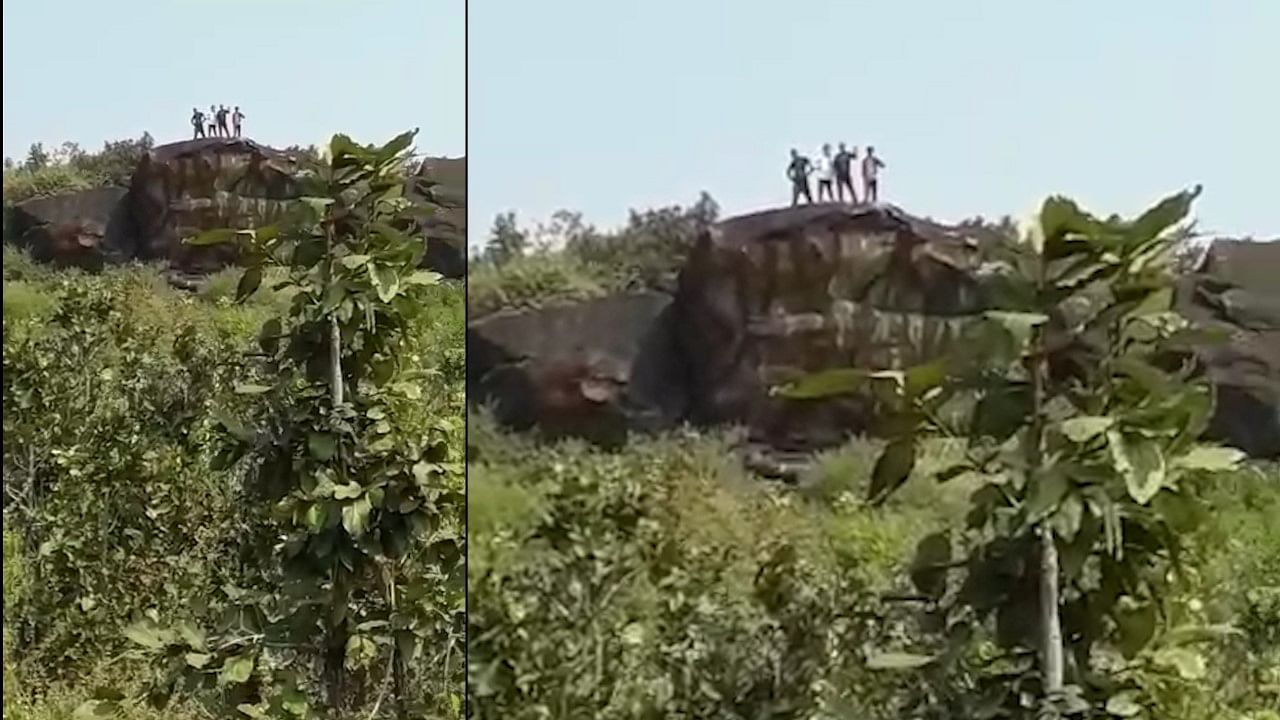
(446, 231)
(597, 369)
(181, 189)
(83, 229)
(1235, 288)
(768, 297)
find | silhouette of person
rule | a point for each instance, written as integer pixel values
(222, 121)
(870, 175)
(213, 121)
(798, 173)
(844, 173)
(197, 123)
(236, 118)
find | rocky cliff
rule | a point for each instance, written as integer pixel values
(183, 188)
(766, 297)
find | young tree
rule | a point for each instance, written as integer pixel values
(358, 492)
(1083, 407)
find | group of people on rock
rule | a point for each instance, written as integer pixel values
(215, 123)
(834, 174)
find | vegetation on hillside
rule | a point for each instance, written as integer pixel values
(904, 578)
(567, 259)
(133, 526)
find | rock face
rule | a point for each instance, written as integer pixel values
(767, 297)
(183, 188)
(446, 233)
(1236, 287)
(83, 229)
(596, 369)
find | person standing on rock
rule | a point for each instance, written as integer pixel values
(213, 121)
(870, 175)
(823, 169)
(236, 118)
(798, 173)
(843, 165)
(197, 123)
(222, 122)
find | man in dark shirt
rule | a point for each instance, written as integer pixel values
(197, 122)
(844, 173)
(222, 122)
(798, 174)
(236, 118)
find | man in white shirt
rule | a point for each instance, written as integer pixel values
(870, 173)
(823, 168)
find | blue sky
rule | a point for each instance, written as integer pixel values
(90, 71)
(978, 107)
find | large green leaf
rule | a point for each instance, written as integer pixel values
(1063, 225)
(828, 383)
(1210, 458)
(355, 516)
(147, 634)
(1140, 461)
(385, 281)
(236, 669)
(397, 145)
(1083, 428)
(1187, 662)
(1018, 324)
(323, 446)
(1164, 214)
(929, 572)
(892, 468)
(1136, 623)
(249, 283)
(1048, 487)
(898, 661)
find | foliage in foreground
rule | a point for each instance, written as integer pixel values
(662, 581)
(113, 389)
(647, 584)
(360, 543)
(1084, 406)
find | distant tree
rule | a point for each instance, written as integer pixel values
(506, 239)
(309, 153)
(37, 157)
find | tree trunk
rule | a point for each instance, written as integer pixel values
(1050, 601)
(1050, 623)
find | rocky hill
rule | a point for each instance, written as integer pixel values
(766, 297)
(182, 188)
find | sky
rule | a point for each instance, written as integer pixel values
(977, 107)
(89, 71)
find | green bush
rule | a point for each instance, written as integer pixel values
(646, 253)
(540, 278)
(661, 581)
(113, 385)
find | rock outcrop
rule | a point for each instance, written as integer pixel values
(446, 232)
(768, 297)
(181, 189)
(1236, 288)
(597, 369)
(84, 229)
